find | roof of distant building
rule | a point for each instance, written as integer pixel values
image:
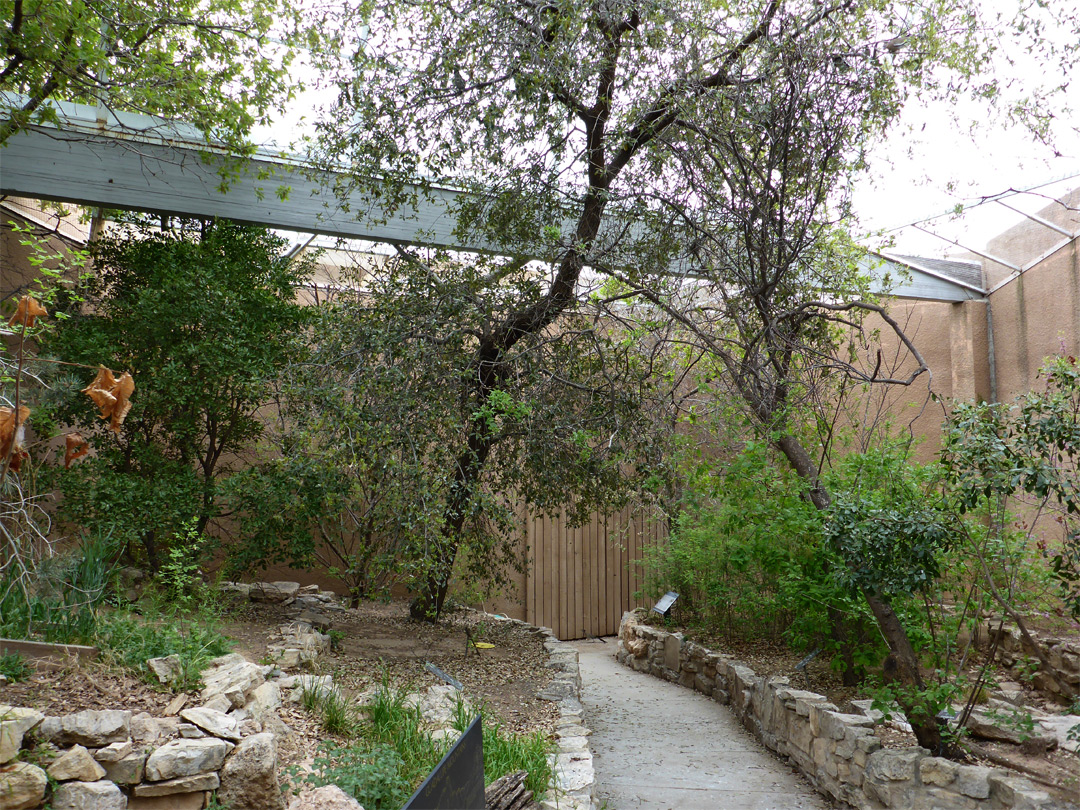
(966, 273)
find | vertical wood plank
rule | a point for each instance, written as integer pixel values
(588, 590)
(545, 612)
(584, 535)
(530, 578)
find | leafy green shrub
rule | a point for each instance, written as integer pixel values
(829, 616)
(372, 777)
(204, 318)
(887, 524)
(733, 546)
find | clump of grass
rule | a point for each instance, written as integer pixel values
(128, 642)
(395, 751)
(506, 752)
(14, 667)
(337, 714)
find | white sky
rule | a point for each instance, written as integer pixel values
(942, 156)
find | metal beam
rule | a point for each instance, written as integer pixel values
(143, 163)
(1036, 218)
(114, 172)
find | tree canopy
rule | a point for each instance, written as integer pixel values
(695, 152)
(220, 65)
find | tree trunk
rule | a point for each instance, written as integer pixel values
(149, 542)
(848, 638)
(923, 723)
(428, 604)
(488, 370)
(926, 728)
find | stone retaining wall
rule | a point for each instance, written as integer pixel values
(572, 762)
(839, 753)
(1014, 653)
(111, 759)
(114, 760)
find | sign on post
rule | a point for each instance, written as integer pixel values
(666, 601)
(457, 783)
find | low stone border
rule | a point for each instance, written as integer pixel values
(111, 759)
(1064, 655)
(572, 762)
(116, 760)
(839, 753)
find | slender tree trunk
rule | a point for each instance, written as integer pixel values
(489, 369)
(926, 728)
(428, 603)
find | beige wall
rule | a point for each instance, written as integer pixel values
(951, 338)
(1035, 315)
(1038, 313)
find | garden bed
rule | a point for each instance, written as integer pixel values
(502, 666)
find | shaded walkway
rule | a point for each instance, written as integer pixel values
(658, 746)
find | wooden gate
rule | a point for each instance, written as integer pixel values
(581, 580)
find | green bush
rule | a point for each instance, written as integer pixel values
(739, 536)
(372, 777)
(204, 317)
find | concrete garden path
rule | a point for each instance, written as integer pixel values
(658, 746)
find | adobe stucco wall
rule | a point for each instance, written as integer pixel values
(1038, 313)
(1035, 315)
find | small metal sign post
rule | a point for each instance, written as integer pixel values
(442, 676)
(801, 666)
(663, 607)
(457, 783)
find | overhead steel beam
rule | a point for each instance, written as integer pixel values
(158, 166)
(115, 172)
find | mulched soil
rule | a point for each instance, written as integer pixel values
(64, 690)
(379, 642)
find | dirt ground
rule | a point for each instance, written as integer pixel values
(378, 640)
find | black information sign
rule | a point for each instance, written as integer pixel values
(666, 601)
(457, 783)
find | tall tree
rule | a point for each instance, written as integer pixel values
(382, 410)
(604, 133)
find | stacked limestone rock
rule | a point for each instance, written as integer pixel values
(838, 752)
(1064, 656)
(111, 760)
(301, 640)
(572, 762)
